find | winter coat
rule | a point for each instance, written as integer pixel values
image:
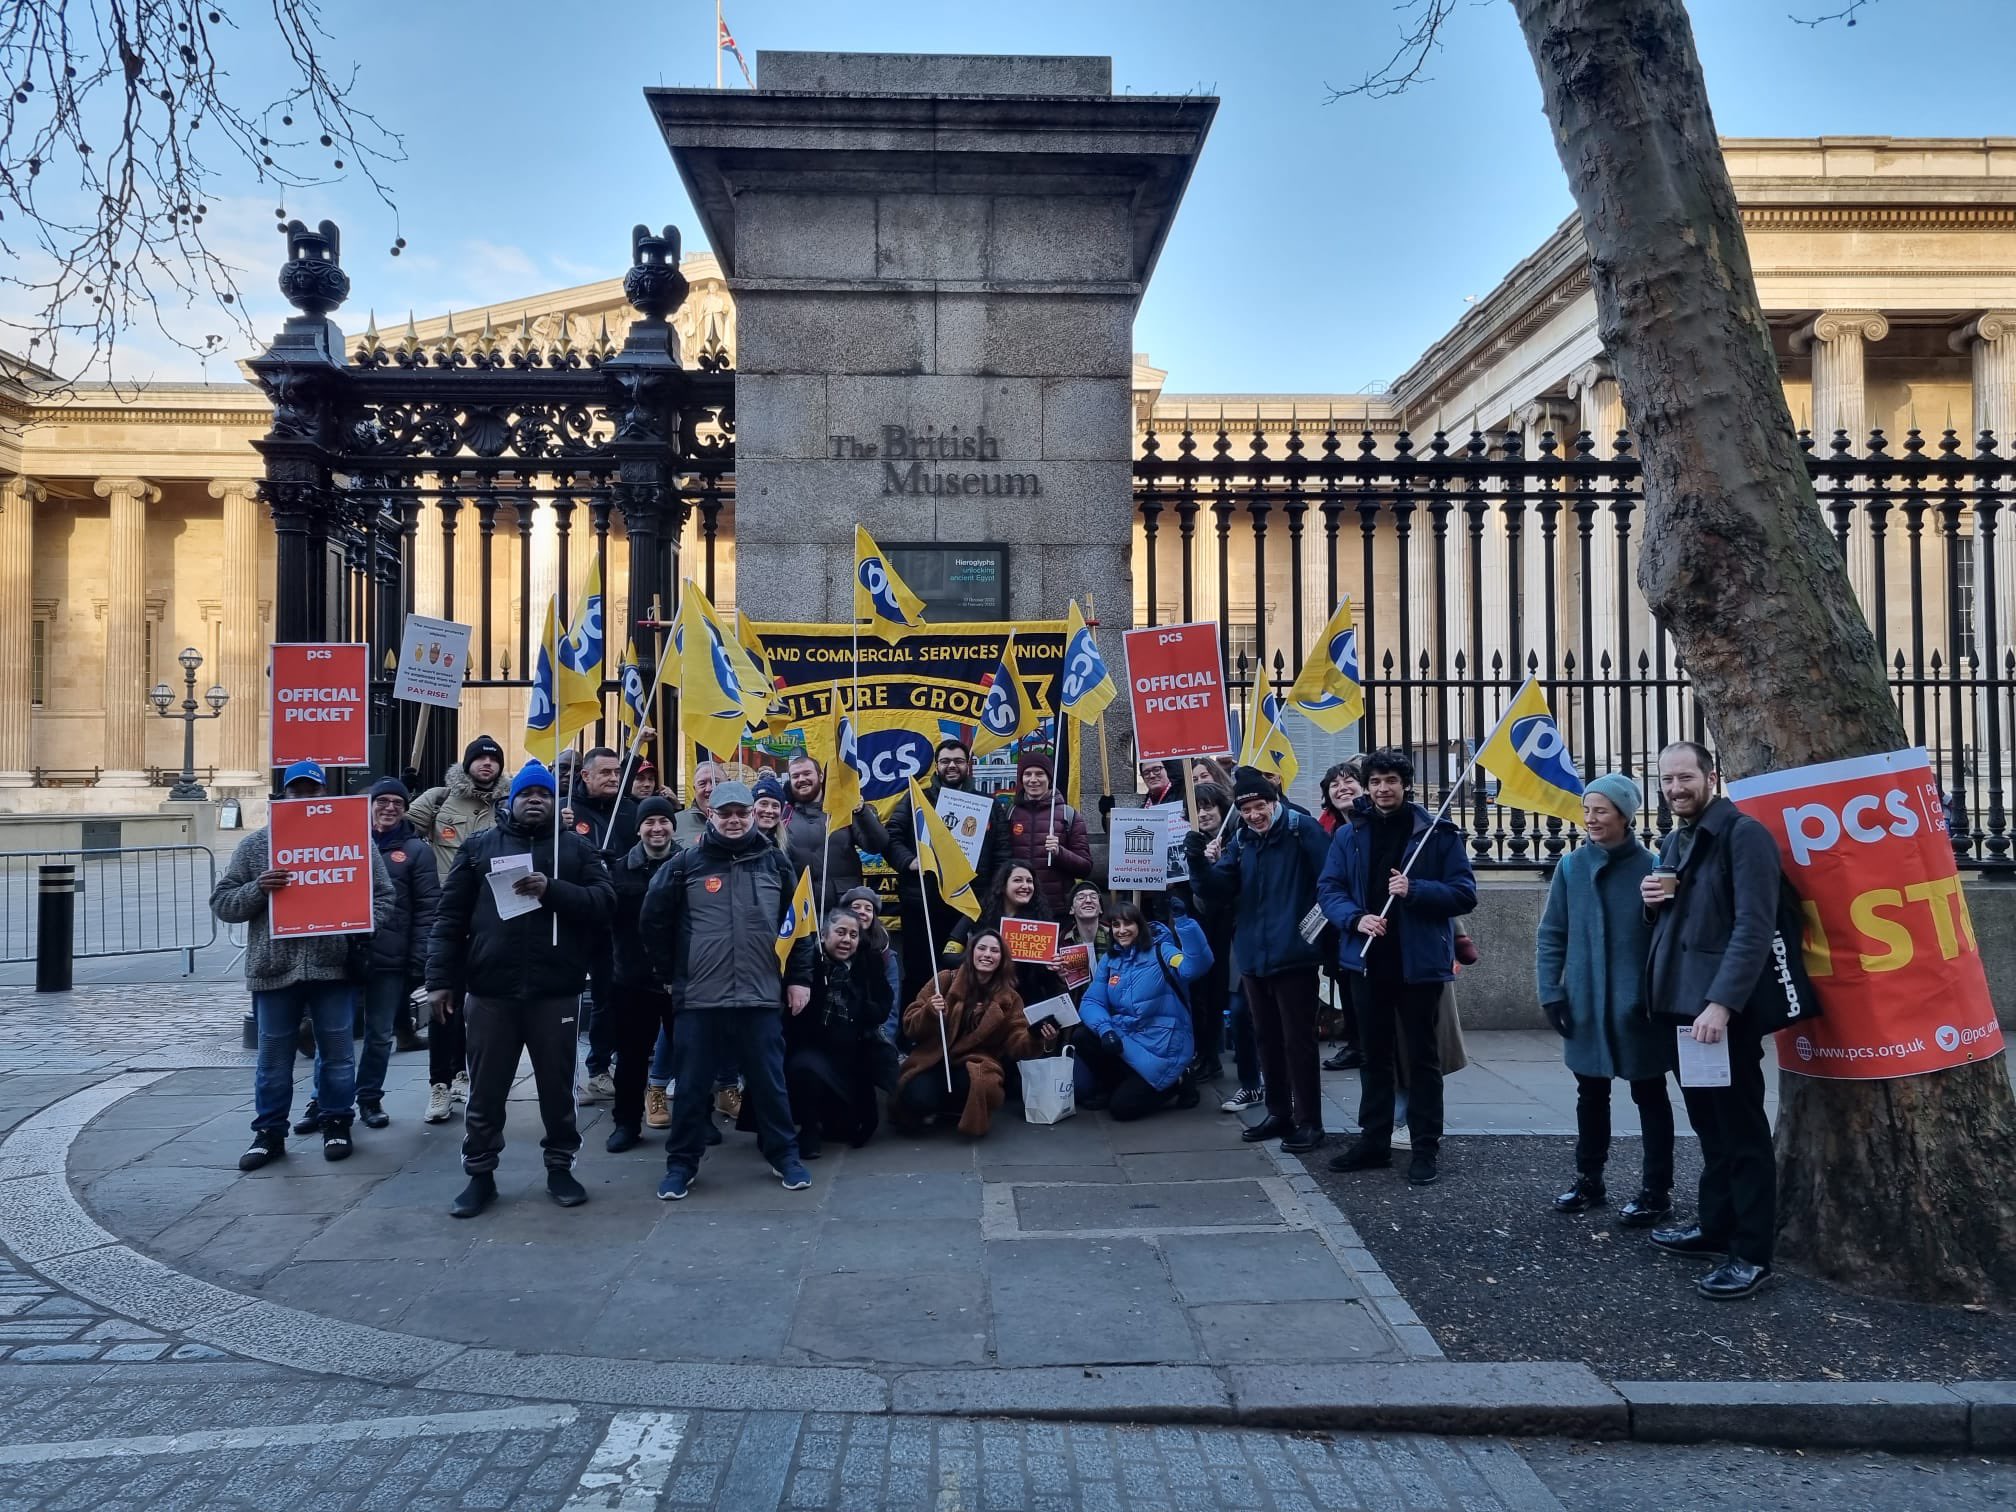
(1132, 996)
(1267, 882)
(808, 845)
(1441, 888)
(631, 876)
(608, 824)
(400, 944)
(838, 1041)
(452, 813)
(710, 922)
(985, 1035)
(272, 964)
(1590, 959)
(902, 849)
(524, 957)
(1028, 826)
(1712, 943)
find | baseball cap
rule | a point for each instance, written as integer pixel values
(732, 794)
(310, 771)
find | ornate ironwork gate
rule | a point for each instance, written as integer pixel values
(480, 430)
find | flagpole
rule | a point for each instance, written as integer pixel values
(717, 44)
(553, 655)
(1092, 629)
(930, 944)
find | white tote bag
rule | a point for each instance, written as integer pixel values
(1048, 1094)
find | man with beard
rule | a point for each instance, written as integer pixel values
(953, 765)
(834, 859)
(607, 820)
(644, 1005)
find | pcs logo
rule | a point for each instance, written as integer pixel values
(888, 759)
(875, 581)
(1537, 742)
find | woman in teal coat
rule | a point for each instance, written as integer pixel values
(1594, 938)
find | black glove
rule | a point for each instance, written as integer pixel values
(1557, 1015)
(1105, 804)
(1111, 1041)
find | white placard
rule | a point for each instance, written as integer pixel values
(1703, 1065)
(504, 874)
(433, 660)
(1178, 861)
(966, 815)
(1137, 857)
(1062, 1009)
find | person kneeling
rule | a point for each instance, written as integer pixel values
(977, 1012)
(834, 1053)
(1137, 1012)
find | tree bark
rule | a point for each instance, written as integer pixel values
(1898, 1187)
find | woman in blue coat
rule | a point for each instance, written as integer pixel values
(1137, 1012)
(1591, 961)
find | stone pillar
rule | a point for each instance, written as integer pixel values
(1837, 340)
(427, 561)
(241, 666)
(1560, 415)
(124, 755)
(1990, 340)
(18, 497)
(1600, 412)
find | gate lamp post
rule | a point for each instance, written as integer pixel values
(187, 788)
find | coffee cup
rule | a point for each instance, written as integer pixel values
(1668, 879)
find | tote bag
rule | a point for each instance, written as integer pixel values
(1048, 1095)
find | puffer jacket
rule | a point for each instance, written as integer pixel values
(474, 950)
(1267, 882)
(710, 922)
(272, 964)
(1132, 995)
(1029, 824)
(400, 944)
(809, 846)
(452, 813)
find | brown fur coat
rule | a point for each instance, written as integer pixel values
(985, 1034)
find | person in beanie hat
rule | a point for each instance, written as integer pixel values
(520, 978)
(643, 1005)
(399, 946)
(768, 811)
(1046, 834)
(1590, 957)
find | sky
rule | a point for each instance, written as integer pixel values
(1321, 248)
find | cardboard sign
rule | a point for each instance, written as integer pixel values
(1889, 942)
(1074, 966)
(1176, 681)
(1030, 940)
(433, 660)
(966, 816)
(1138, 857)
(326, 844)
(1178, 860)
(321, 704)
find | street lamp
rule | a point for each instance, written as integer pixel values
(187, 788)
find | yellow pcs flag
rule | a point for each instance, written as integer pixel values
(1006, 713)
(1530, 759)
(773, 712)
(713, 703)
(542, 706)
(882, 600)
(800, 923)
(1267, 745)
(1087, 687)
(838, 748)
(580, 658)
(1329, 690)
(939, 854)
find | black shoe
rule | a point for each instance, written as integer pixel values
(1092, 1101)
(372, 1115)
(811, 1144)
(336, 1138)
(1206, 1070)
(563, 1188)
(713, 1131)
(1646, 1209)
(1363, 1157)
(623, 1137)
(1586, 1193)
(1688, 1241)
(1421, 1167)
(1269, 1127)
(1187, 1095)
(311, 1118)
(1347, 1058)
(407, 1039)
(1731, 1279)
(1305, 1138)
(267, 1144)
(473, 1198)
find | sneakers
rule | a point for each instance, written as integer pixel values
(458, 1089)
(793, 1174)
(473, 1198)
(1421, 1169)
(267, 1144)
(372, 1114)
(1242, 1099)
(336, 1138)
(675, 1186)
(438, 1104)
(601, 1087)
(728, 1102)
(563, 1188)
(657, 1108)
(311, 1118)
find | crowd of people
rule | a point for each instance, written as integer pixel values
(701, 1000)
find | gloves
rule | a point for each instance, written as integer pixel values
(1105, 804)
(1111, 1041)
(1557, 1015)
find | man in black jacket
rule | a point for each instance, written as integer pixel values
(954, 769)
(607, 820)
(1710, 970)
(643, 1005)
(399, 950)
(521, 977)
(711, 923)
(833, 859)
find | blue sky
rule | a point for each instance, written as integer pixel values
(1321, 247)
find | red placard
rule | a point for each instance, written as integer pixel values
(321, 704)
(1074, 965)
(1889, 942)
(1176, 682)
(326, 844)
(1029, 939)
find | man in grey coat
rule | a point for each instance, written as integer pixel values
(1714, 909)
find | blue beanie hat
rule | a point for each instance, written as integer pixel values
(1620, 790)
(767, 786)
(534, 774)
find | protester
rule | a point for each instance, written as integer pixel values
(1264, 872)
(767, 811)
(1156, 782)
(693, 818)
(644, 783)
(1137, 1017)
(1341, 788)
(1014, 895)
(1084, 927)
(296, 977)
(1211, 994)
(644, 1008)
(399, 946)
(835, 1056)
(521, 979)
(1209, 770)
(1709, 970)
(1401, 957)
(1047, 834)
(953, 768)
(835, 858)
(710, 925)
(876, 945)
(464, 805)
(607, 820)
(981, 1015)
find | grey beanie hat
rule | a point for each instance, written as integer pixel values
(1620, 790)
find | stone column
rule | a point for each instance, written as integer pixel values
(1600, 412)
(241, 666)
(18, 497)
(124, 755)
(1559, 414)
(1837, 340)
(427, 561)
(1990, 340)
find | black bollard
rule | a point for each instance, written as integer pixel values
(55, 927)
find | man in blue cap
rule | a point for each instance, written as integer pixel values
(520, 969)
(300, 976)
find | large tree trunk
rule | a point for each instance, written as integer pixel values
(1900, 1187)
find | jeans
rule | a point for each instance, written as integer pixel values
(501, 1030)
(327, 1005)
(384, 993)
(1396, 1019)
(708, 1040)
(1283, 1008)
(661, 1061)
(1592, 1128)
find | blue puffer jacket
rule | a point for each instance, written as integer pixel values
(1442, 888)
(1267, 882)
(1131, 996)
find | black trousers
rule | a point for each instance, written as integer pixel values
(832, 1097)
(1739, 1173)
(640, 1014)
(1395, 1019)
(925, 1094)
(1592, 1128)
(1207, 1009)
(448, 1044)
(602, 1027)
(1129, 1094)
(920, 965)
(1283, 1007)
(500, 1030)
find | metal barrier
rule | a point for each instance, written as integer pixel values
(131, 900)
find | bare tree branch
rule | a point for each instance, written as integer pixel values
(1410, 59)
(1846, 13)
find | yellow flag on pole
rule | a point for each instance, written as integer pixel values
(542, 706)
(1006, 713)
(939, 854)
(1088, 686)
(1530, 759)
(713, 703)
(882, 600)
(836, 746)
(580, 658)
(1267, 745)
(1329, 690)
(800, 923)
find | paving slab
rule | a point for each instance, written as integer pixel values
(1226, 1268)
(1256, 1332)
(1065, 1301)
(886, 1246)
(915, 1194)
(727, 1318)
(935, 1318)
(1991, 1416)
(1145, 1205)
